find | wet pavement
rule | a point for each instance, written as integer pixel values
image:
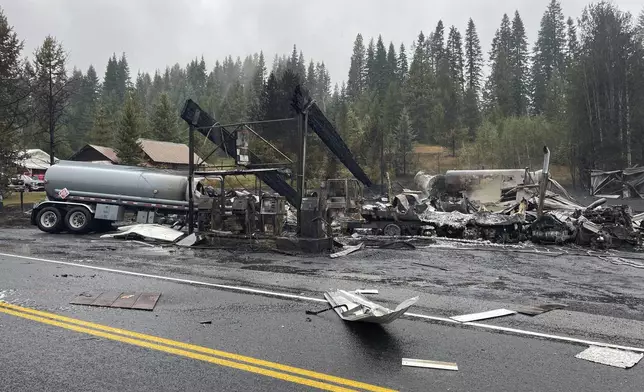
(605, 304)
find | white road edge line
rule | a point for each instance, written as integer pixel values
(301, 297)
(195, 282)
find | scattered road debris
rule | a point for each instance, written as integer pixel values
(348, 250)
(147, 232)
(189, 240)
(315, 313)
(73, 276)
(430, 266)
(424, 363)
(539, 309)
(466, 318)
(610, 356)
(367, 291)
(116, 299)
(360, 308)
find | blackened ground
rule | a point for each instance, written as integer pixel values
(13, 216)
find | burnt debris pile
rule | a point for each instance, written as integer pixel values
(499, 206)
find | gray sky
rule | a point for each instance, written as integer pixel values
(156, 33)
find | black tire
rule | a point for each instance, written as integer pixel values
(392, 230)
(49, 220)
(78, 220)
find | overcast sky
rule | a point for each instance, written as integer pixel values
(156, 33)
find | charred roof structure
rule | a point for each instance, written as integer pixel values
(313, 117)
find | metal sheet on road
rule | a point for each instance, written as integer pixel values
(146, 301)
(125, 300)
(107, 298)
(86, 298)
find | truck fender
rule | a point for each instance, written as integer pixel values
(63, 204)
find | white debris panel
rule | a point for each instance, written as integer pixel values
(483, 315)
(358, 308)
(347, 250)
(146, 232)
(610, 356)
(429, 364)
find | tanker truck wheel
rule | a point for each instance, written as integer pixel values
(78, 220)
(49, 220)
(392, 230)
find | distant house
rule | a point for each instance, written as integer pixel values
(167, 155)
(34, 162)
(154, 153)
(94, 153)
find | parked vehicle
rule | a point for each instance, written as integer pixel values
(33, 183)
(16, 184)
(83, 196)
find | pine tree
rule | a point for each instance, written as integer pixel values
(474, 58)
(471, 112)
(311, 79)
(102, 132)
(322, 85)
(164, 121)
(129, 132)
(370, 66)
(498, 94)
(380, 74)
(454, 53)
(260, 73)
(519, 65)
(419, 91)
(110, 80)
(473, 74)
(403, 64)
(76, 125)
(301, 67)
(256, 103)
(392, 63)
(14, 94)
(142, 87)
(405, 137)
(452, 81)
(437, 43)
(572, 44)
(197, 77)
(51, 93)
(156, 87)
(356, 79)
(293, 60)
(123, 79)
(549, 54)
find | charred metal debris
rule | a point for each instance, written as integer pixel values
(499, 206)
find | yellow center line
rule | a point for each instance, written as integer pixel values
(179, 348)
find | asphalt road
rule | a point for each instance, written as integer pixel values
(37, 355)
(605, 301)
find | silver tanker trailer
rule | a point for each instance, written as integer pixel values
(83, 196)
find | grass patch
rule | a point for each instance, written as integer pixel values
(29, 198)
